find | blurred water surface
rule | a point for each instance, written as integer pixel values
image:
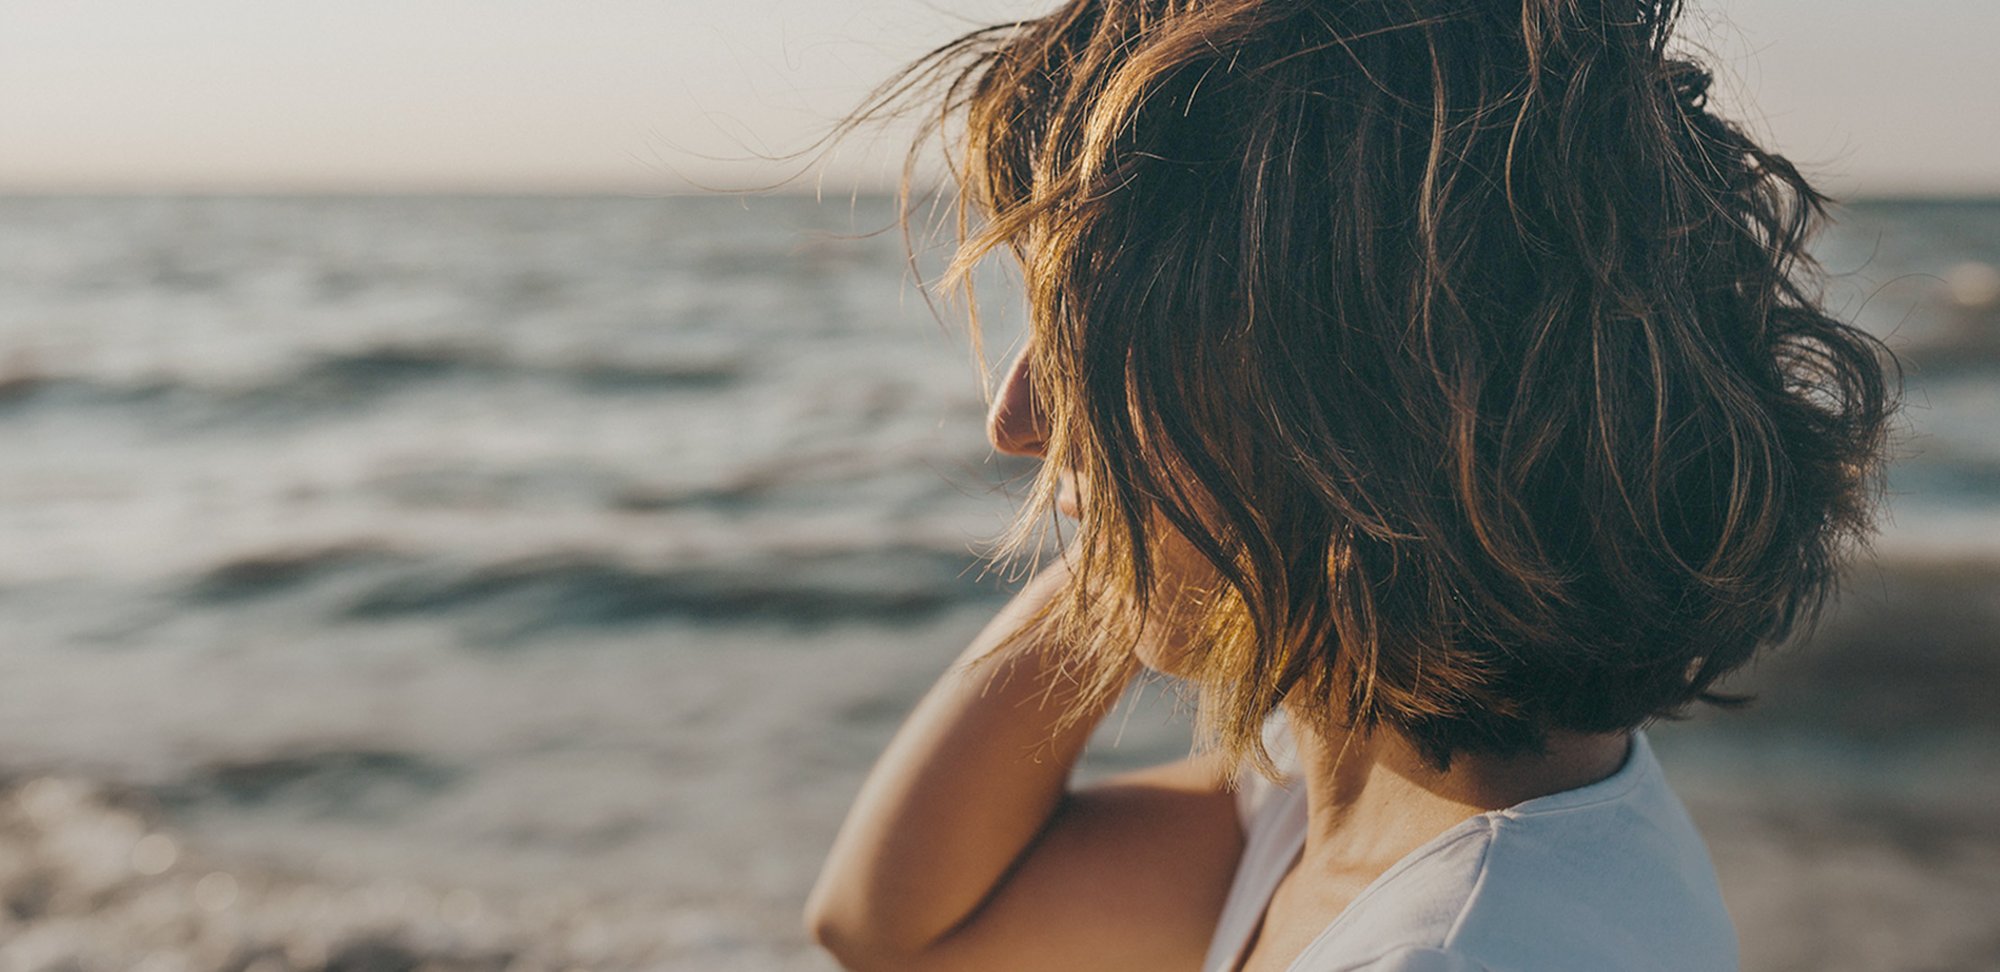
(526, 582)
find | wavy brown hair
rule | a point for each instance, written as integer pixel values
(1481, 359)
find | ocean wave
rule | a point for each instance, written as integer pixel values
(885, 587)
(332, 782)
(346, 379)
(267, 573)
(889, 586)
(394, 367)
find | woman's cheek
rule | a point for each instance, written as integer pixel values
(1182, 584)
(1070, 490)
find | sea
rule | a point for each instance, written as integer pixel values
(526, 583)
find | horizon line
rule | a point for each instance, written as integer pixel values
(1886, 194)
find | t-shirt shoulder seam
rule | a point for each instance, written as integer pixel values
(1491, 830)
(1483, 832)
(1416, 948)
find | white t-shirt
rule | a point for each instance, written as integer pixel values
(1608, 876)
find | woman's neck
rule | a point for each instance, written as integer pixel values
(1372, 800)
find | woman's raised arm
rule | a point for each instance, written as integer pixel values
(967, 850)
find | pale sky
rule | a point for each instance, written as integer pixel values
(627, 95)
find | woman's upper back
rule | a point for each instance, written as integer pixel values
(1612, 875)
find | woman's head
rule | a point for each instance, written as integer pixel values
(1467, 349)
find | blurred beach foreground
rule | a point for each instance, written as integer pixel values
(525, 584)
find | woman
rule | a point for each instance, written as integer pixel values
(1438, 391)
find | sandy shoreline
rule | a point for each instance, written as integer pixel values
(92, 880)
(92, 883)
(1854, 872)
